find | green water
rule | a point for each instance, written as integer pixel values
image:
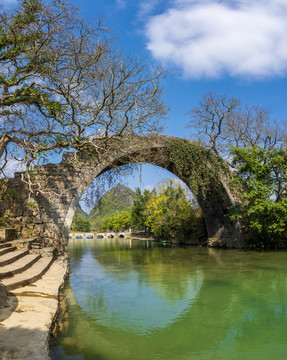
(142, 301)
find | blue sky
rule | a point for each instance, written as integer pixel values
(236, 47)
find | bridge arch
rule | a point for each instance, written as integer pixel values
(59, 187)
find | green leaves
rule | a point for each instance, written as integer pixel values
(139, 214)
(79, 224)
(262, 175)
(27, 13)
(118, 222)
(82, 225)
(195, 162)
(168, 213)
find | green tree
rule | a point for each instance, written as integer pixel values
(108, 224)
(170, 214)
(82, 225)
(118, 222)
(139, 210)
(262, 175)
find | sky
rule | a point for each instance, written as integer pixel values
(232, 47)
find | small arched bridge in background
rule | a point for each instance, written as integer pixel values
(46, 198)
(97, 235)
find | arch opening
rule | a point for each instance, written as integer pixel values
(168, 174)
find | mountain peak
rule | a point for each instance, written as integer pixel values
(116, 200)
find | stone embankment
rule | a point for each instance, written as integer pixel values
(30, 280)
(141, 235)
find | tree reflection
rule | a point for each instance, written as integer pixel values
(155, 266)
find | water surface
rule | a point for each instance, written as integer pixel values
(139, 300)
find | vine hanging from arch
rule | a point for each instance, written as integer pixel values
(196, 163)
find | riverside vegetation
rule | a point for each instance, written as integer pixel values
(165, 211)
(254, 145)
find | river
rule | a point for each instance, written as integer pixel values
(145, 301)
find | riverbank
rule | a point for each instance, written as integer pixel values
(25, 324)
(140, 238)
(141, 235)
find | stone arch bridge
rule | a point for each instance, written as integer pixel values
(45, 199)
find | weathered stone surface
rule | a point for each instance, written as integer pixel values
(3, 296)
(7, 235)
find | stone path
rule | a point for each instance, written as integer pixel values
(25, 324)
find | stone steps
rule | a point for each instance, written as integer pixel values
(5, 245)
(30, 275)
(19, 265)
(7, 250)
(9, 258)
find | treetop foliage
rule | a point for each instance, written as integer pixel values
(118, 222)
(263, 176)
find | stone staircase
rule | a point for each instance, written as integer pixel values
(22, 265)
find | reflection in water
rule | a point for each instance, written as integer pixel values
(143, 301)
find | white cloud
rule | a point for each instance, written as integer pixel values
(12, 166)
(147, 6)
(209, 38)
(121, 3)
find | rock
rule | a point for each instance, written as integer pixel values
(3, 296)
(8, 234)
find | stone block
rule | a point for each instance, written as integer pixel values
(8, 235)
(37, 220)
(3, 296)
(18, 210)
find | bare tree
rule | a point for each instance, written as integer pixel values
(212, 118)
(252, 126)
(221, 122)
(63, 85)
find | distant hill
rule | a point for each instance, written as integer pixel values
(81, 213)
(120, 198)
